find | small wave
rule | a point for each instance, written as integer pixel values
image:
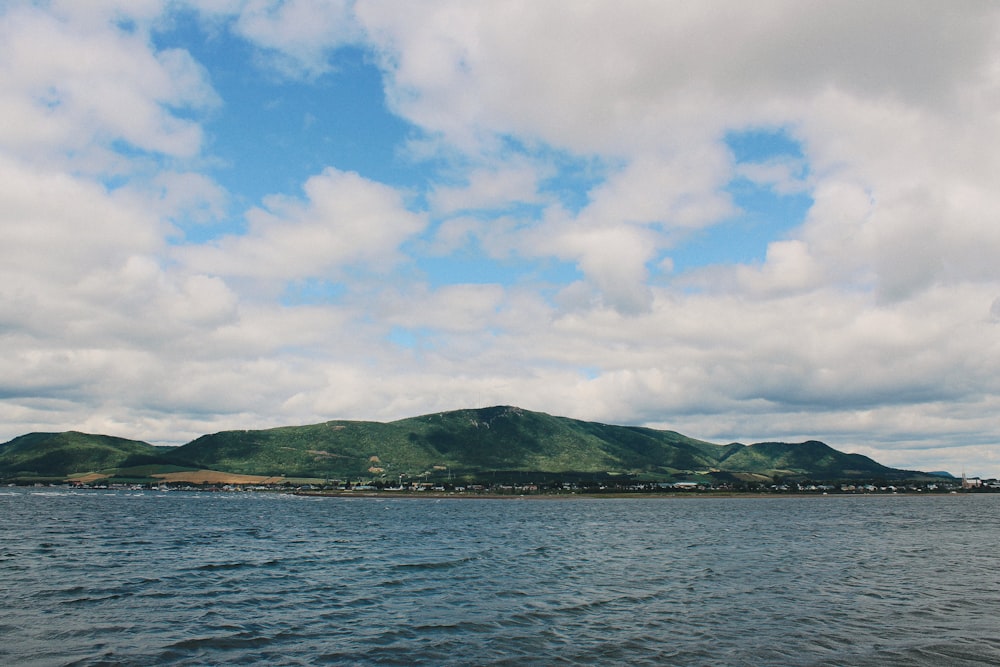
(192, 580)
(238, 641)
(457, 627)
(89, 599)
(213, 567)
(434, 565)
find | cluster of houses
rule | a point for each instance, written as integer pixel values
(940, 485)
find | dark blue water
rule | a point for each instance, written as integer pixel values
(92, 578)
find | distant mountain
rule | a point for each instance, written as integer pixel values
(461, 442)
(506, 441)
(56, 455)
(810, 459)
(494, 443)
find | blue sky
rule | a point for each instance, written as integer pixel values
(271, 132)
(741, 223)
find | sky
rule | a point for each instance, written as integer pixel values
(775, 220)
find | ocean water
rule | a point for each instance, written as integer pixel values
(144, 578)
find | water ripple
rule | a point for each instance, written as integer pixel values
(191, 579)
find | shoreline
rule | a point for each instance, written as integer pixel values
(605, 496)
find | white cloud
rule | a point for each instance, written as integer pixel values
(345, 220)
(299, 34)
(72, 87)
(784, 175)
(609, 77)
(673, 190)
(488, 188)
(188, 197)
(462, 308)
(889, 99)
(788, 267)
(55, 226)
(614, 259)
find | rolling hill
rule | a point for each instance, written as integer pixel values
(495, 443)
(58, 455)
(465, 443)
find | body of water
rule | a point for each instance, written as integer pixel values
(143, 578)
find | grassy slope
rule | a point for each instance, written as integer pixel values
(503, 438)
(331, 449)
(460, 443)
(808, 459)
(62, 454)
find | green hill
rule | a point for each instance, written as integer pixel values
(509, 438)
(505, 441)
(483, 444)
(810, 459)
(333, 449)
(464, 443)
(58, 455)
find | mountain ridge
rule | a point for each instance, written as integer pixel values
(465, 444)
